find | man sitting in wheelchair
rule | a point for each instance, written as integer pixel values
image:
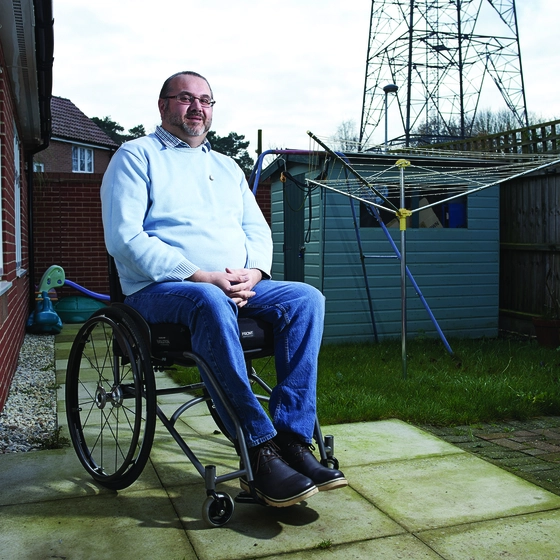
(192, 247)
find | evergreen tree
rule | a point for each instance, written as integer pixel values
(235, 146)
(115, 131)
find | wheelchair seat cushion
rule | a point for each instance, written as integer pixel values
(256, 336)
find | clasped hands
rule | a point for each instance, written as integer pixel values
(237, 283)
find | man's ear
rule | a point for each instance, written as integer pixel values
(161, 106)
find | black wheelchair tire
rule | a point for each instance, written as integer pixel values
(111, 398)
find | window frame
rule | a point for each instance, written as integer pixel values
(81, 163)
(17, 202)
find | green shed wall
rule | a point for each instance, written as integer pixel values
(457, 270)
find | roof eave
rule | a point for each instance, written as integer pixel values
(26, 34)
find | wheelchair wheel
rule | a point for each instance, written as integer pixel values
(217, 510)
(110, 398)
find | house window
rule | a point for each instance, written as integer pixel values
(38, 167)
(82, 159)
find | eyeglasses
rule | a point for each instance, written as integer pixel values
(186, 98)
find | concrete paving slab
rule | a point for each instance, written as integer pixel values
(60, 368)
(525, 537)
(369, 443)
(401, 547)
(164, 381)
(63, 348)
(128, 526)
(337, 517)
(170, 403)
(411, 496)
(172, 465)
(450, 490)
(41, 476)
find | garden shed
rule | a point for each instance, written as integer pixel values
(453, 254)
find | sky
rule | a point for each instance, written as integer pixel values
(284, 67)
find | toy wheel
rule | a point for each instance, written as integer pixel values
(217, 510)
(110, 398)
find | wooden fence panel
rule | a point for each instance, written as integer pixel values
(534, 139)
(530, 245)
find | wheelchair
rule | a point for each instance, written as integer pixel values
(112, 398)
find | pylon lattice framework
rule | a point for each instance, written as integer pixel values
(432, 51)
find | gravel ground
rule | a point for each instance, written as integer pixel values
(28, 420)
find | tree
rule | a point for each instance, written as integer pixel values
(346, 137)
(489, 122)
(114, 130)
(235, 146)
(137, 131)
(486, 122)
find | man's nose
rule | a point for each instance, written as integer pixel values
(196, 104)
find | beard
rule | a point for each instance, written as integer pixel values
(190, 130)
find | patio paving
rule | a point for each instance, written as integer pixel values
(411, 495)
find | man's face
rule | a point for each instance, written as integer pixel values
(191, 122)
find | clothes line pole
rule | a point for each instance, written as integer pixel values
(403, 215)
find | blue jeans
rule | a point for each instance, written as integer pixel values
(295, 310)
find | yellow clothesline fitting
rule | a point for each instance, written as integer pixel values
(402, 214)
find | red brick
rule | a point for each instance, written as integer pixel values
(504, 442)
(546, 446)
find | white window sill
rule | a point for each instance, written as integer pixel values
(21, 272)
(4, 287)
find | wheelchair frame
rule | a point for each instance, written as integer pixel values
(111, 399)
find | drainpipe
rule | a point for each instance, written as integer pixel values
(44, 52)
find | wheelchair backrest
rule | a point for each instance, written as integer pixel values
(115, 290)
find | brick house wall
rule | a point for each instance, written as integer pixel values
(263, 199)
(66, 207)
(68, 231)
(14, 301)
(58, 157)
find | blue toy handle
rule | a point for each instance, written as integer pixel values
(89, 293)
(54, 277)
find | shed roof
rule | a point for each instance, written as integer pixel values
(70, 123)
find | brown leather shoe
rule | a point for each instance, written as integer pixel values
(274, 481)
(299, 456)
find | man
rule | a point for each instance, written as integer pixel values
(192, 247)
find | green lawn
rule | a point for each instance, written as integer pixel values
(484, 380)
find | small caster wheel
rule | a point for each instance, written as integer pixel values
(218, 509)
(333, 463)
(330, 462)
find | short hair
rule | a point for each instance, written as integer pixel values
(165, 88)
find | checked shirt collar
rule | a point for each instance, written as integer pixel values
(171, 141)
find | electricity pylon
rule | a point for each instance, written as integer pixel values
(444, 56)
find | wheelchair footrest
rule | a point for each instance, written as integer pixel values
(246, 498)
